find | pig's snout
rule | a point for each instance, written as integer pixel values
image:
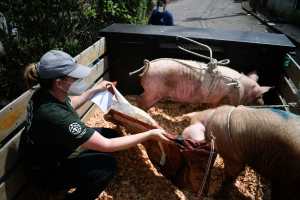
(194, 132)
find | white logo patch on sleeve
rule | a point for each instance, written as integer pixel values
(75, 128)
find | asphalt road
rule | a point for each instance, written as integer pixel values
(217, 14)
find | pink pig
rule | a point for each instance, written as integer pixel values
(191, 82)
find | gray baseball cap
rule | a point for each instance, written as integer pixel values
(55, 63)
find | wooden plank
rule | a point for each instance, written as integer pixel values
(102, 67)
(293, 71)
(84, 108)
(9, 154)
(90, 113)
(97, 71)
(13, 185)
(106, 67)
(288, 90)
(93, 52)
(14, 114)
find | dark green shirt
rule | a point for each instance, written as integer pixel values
(55, 131)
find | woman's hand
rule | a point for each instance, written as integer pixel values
(103, 85)
(158, 134)
(77, 101)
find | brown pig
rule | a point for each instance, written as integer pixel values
(267, 140)
(193, 82)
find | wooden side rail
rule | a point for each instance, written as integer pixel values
(12, 118)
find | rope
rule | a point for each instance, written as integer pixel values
(213, 63)
(188, 65)
(146, 65)
(228, 124)
(163, 157)
(274, 106)
(232, 81)
(198, 43)
(235, 153)
(211, 154)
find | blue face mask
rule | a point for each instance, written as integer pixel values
(78, 87)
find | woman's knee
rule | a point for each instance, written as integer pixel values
(104, 170)
(101, 163)
(111, 165)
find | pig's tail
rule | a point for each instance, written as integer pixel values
(145, 68)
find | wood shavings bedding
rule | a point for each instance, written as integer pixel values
(138, 178)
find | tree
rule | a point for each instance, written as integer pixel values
(36, 26)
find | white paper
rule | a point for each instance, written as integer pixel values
(104, 100)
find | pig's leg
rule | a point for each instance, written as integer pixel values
(146, 100)
(232, 170)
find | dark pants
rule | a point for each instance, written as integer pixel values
(89, 173)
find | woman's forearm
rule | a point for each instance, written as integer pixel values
(125, 142)
(78, 101)
(99, 143)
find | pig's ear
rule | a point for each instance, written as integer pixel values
(263, 89)
(189, 116)
(253, 75)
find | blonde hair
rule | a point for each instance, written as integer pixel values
(31, 75)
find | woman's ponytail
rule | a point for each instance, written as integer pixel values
(31, 75)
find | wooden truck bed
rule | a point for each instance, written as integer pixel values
(123, 48)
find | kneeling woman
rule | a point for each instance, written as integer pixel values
(55, 131)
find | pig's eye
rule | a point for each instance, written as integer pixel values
(259, 100)
(259, 97)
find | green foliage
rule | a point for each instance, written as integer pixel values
(36, 26)
(130, 11)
